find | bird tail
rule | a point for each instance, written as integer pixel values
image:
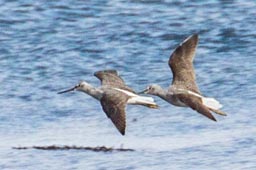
(144, 101)
(213, 105)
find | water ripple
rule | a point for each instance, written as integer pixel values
(49, 46)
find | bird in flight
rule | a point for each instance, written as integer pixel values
(184, 91)
(113, 95)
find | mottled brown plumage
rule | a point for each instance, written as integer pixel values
(181, 64)
(112, 79)
(195, 103)
(184, 91)
(113, 95)
(113, 103)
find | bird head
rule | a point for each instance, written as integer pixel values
(79, 87)
(151, 89)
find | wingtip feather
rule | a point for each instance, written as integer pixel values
(122, 132)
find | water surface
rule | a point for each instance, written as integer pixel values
(48, 46)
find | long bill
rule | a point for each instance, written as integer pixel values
(143, 92)
(68, 90)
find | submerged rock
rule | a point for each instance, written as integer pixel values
(65, 147)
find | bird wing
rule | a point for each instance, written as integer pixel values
(113, 104)
(112, 79)
(196, 104)
(181, 64)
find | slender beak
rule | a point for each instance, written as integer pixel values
(143, 92)
(68, 90)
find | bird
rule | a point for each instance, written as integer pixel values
(183, 91)
(113, 95)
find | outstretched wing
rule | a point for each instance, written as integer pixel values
(181, 64)
(112, 79)
(196, 104)
(113, 104)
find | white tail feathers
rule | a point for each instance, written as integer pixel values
(211, 103)
(141, 100)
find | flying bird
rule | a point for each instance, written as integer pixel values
(113, 95)
(184, 91)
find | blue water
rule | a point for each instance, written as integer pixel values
(46, 46)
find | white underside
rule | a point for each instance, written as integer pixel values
(136, 99)
(208, 102)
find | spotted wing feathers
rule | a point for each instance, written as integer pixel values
(181, 64)
(112, 79)
(196, 104)
(113, 104)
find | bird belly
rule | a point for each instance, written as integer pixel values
(176, 101)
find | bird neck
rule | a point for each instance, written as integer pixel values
(92, 91)
(162, 93)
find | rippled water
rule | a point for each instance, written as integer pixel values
(46, 46)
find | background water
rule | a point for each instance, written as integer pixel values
(46, 46)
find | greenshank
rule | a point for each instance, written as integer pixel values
(184, 91)
(113, 95)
